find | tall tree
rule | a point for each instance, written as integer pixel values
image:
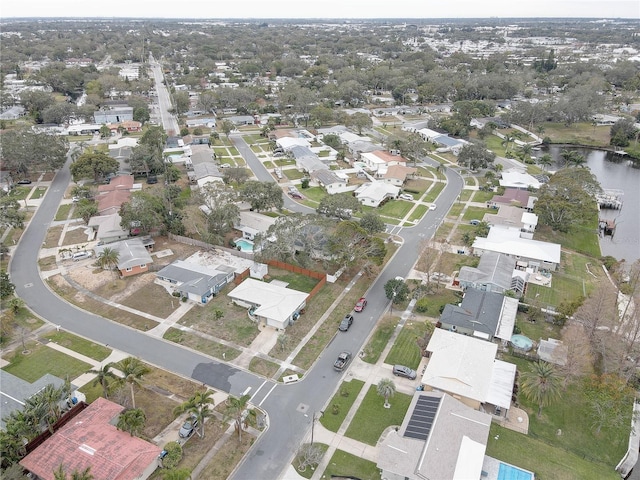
(93, 164)
(104, 376)
(262, 195)
(10, 214)
(132, 420)
(24, 150)
(396, 290)
(200, 405)
(475, 156)
(235, 410)
(144, 211)
(133, 371)
(222, 212)
(541, 384)
(386, 388)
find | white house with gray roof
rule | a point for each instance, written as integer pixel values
(196, 282)
(496, 272)
(331, 181)
(374, 193)
(270, 303)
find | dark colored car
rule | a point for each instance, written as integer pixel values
(346, 322)
(188, 427)
(360, 305)
(402, 371)
(151, 179)
(295, 195)
(24, 181)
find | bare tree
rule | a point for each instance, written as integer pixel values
(579, 358)
(429, 258)
(309, 455)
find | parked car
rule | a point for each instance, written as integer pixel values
(360, 305)
(151, 179)
(188, 427)
(406, 196)
(475, 223)
(297, 195)
(402, 371)
(342, 361)
(432, 206)
(24, 181)
(346, 322)
(81, 256)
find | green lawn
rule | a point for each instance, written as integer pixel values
(293, 173)
(546, 461)
(466, 195)
(345, 465)
(19, 193)
(77, 344)
(38, 193)
(314, 193)
(434, 192)
(418, 213)
(63, 212)
(455, 211)
(494, 144)
(296, 281)
(476, 213)
(41, 360)
(436, 300)
(582, 237)
(379, 339)
(405, 350)
(372, 418)
(395, 208)
(577, 134)
(340, 404)
(482, 197)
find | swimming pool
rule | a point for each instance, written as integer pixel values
(244, 245)
(521, 342)
(509, 472)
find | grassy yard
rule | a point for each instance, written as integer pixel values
(208, 347)
(63, 212)
(19, 193)
(340, 404)
(295, 280)
(395, 208)
(38, 193)
(52, 237)
(476, 213)
(527, 452)
(263, 367)
(379, 339)
(314, 194)
(418, 213)
(417, 185)
(47, 263)
(293, 173)
(436, 300)
(465, 195)
(372, 418)
(76, 236)
(434, 192)
(405, 350)
(226, 459)
(42, 359)
(577, 134)
(345, 465)
(77, 344)
(153, 299)
(580, 237)
(482, 197)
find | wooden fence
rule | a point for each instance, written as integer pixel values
(321, 277)
(209, 246)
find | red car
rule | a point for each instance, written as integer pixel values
(360, 305)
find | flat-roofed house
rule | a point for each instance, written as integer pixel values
(375, 193)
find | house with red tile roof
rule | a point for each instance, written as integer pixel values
(91, 440)
(121, 182)
(379, 159)
(110, 202)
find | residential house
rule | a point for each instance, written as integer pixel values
(380, 160)
(530, 255)
(481, 314)
(204, 173)
(466, 368)
(209, 122)
(269, 303)
(398, 174)
(110, 202)
(198, 283)
(91, 440)
(13, 113)
(287, 143)
(15, 391)
(253, 223)
(440, 438)
(114, 114)
(496, 272)
(331, 181)
(107, 228)
(133, 255)
(510, 216)
(120, 183)
(358, 147)
(442, 140)
(306, 160)
(82, 129)
(240, 120)
(128, 126)
(514, 197)
(513, 179)
(373, 194)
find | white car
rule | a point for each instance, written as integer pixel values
(406, 196)
(432, 206)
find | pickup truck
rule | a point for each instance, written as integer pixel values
(342, 361)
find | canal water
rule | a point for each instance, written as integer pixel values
(614, 173)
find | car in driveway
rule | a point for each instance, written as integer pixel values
(346, 322)
(188, 427)
(402, 371)
(406, 196)
(24, 181)
(360, 305)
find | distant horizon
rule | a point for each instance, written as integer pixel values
(252, 10)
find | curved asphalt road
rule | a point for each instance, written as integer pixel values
(290, 407)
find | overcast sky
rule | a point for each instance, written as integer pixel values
(212, 9)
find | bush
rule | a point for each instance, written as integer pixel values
(609, 262)
(197, 131)
(176, 294)
(173, 456)
(422, 305)
(184, 131)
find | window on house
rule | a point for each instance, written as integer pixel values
(143, 265)
(129, 269)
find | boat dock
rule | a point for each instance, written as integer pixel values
(610, 199)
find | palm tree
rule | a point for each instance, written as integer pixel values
(61, 474)
(45, 405)
(133, 370)
(108, 258)
(386, 388)
(540, 130)
(572, 158)
(132, 421)
(198, 406)
(545, 160)
(103, 374)
(526, 150)
(541, 385)
(507, 141)
(235, 411)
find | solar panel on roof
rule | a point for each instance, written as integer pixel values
(422, 417)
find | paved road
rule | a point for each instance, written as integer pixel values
(169, 121)
(29, 286)
(290, 407)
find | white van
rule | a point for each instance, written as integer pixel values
(81, 256)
